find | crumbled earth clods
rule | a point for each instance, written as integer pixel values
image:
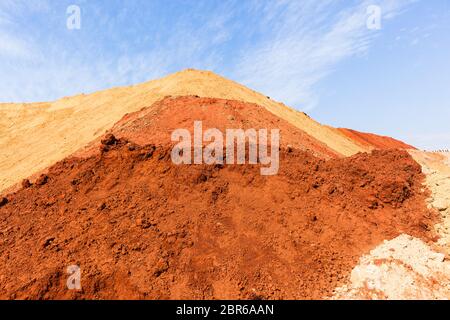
(141, 227)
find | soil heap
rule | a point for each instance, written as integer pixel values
(141, 227)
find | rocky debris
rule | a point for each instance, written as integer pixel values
(289, 148)
(132, 146)
(109, 140)
(402, 268)
(145, 223)
(47, 242)
(146, 152)
(161, 266)
(26, 183)
(43, 179)
(3, 201)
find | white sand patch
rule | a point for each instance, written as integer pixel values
(402, 268)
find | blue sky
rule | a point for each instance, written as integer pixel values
(316, 56)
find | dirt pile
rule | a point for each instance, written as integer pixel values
(141, 227)
(157, 122)
(374, 141)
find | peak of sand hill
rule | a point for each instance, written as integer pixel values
(36, 135)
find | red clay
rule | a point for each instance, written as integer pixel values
(141, 227)
(375, 141)
(157, 122)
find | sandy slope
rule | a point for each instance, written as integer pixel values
(34, 136)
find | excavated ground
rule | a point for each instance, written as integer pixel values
(141, 227)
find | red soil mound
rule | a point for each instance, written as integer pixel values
(375, 141)
(141, 227)
(156, 123)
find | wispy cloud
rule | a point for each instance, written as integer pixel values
(307, 39)
(282, 48)
(44, 67)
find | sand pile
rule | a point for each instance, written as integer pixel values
(141, 227)
(35, 136)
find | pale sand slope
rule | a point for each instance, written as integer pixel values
(34, 136)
